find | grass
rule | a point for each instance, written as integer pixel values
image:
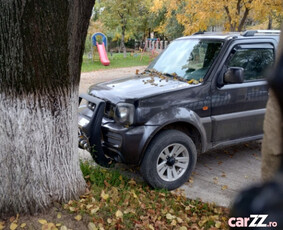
(116, 61)
(117, 202)
(114, 201)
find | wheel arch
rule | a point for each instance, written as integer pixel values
(197, 135)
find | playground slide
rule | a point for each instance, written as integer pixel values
(102, 54)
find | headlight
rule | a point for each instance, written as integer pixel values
(124, 113)
(83, 121)
(91, 106)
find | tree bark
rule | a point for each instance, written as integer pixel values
(123, 41)
(41, 47)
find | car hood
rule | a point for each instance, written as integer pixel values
(136, 87)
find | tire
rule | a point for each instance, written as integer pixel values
(160, 168)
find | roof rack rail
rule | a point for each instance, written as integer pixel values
(199, 32)
(250, 33)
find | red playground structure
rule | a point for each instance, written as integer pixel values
(101, 48)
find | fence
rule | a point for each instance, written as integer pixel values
(155, 44)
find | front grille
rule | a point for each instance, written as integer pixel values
(109, 110)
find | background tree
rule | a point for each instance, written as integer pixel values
(196, 15)
(165, 22)
(119, 16)
(41, 47)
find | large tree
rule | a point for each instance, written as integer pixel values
(41, 47)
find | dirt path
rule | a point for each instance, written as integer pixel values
(90, 78)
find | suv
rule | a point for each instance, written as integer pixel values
(204, 91)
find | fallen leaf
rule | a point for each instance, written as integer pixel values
(169, 216)
(12, 219)
(173, 223)
(23, 225)
(63, 228)
(17, 218)
(89, 206)
(150, 227)
(109, 221)
(103, 195)
(183, 228)
(217, 224)
(78, 217)
(72, 209)
(42, 221)
(132, 182)
(203, 221)
(134, 194)
(2, 225)
(215, 180)
(119, 214)
(94, 210)
(59, 215)
(13, 226)
(224, 187)
(179, 220)
(49, 226)
(91, 226)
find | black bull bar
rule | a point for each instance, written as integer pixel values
(92, 131)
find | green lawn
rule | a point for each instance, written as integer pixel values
(116, 61)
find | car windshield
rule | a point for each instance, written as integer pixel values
(188, 59)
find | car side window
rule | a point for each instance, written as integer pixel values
(254, 61)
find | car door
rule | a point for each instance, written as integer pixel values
(238, 109)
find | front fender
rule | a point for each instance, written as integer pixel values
(175, 115)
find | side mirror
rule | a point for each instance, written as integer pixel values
(234, 75)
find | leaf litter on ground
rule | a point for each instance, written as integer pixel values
(114, 201)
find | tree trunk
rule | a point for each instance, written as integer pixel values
(123, 41)
(271, 150)
(270, 20)
(41, 47)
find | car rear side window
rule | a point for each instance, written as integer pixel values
(255, 61)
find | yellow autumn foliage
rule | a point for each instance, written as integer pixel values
(196, 15)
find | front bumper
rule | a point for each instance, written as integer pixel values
(128, 144)
(110, 139)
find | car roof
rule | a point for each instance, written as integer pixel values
(234, 35)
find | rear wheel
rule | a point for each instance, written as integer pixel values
(169, 160)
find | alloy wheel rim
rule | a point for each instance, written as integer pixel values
(172, 162)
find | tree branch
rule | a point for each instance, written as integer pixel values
(229, 17)
(239, 6)
(240, 27)
(121, 15)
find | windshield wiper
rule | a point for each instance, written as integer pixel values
(169, 75)
(147, 71)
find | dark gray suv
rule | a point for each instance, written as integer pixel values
(204, 91)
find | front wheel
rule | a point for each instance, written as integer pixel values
(169, 160)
